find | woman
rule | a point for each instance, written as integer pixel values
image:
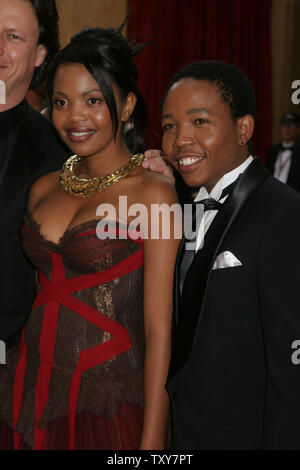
(92, 363)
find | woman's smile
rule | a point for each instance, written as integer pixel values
(78, 135)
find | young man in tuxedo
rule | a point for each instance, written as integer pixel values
(29, 145)
(234, 379)
(283, 160)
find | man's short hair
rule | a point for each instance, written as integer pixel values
(291, 119)
(235, 87)
(47, 17)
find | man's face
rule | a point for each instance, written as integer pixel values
(19, 49)
(200, 138)
(288, 132)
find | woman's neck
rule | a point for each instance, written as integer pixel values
(104, 162)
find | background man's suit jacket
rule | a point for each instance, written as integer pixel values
(294, 172)
(232, 382)
(37, 151)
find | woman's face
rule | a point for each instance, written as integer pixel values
(200, 137)
(80, 113)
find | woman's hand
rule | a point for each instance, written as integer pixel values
(156, 161)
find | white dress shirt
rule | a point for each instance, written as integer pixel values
(215, 193)
(283, 162)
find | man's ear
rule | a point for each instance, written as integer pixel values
(245, 128)
(128, 106)
(40, 55)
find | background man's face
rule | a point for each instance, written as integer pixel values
(19, 51)
(288, 132)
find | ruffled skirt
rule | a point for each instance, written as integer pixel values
(109, 413)
(123, 432)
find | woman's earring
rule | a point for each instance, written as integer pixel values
(128, 125)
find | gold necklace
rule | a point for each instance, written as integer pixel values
(83, 187)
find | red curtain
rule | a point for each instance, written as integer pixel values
(182, 31)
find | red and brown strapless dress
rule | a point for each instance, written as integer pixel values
(76, 379)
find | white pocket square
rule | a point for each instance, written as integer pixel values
(226, 260)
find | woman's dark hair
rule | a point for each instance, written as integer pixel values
(235, 87)
(107, 56)
(47, 16)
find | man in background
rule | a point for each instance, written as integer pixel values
(283, 159)
(29, 145)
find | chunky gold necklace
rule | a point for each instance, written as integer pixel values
(82, 187)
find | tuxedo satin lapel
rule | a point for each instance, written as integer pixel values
(180, 259)
(197, 278)
(18, 168)
(176, 289)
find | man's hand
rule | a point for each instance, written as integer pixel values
(155, 161)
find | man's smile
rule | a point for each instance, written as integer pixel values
(188, 162)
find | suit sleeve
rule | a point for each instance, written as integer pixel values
(279, 289)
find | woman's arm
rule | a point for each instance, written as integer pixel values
(159, 261)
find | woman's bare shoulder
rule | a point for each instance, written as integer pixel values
(157, 188)
(42, 187)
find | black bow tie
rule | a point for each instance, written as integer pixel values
(282, 147)
(211, 204)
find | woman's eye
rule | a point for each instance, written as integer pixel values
(168, 126)
(59, 103)
(94, 100)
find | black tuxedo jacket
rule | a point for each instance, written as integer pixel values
(37, 151)
(233, 383)
(294, 173)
